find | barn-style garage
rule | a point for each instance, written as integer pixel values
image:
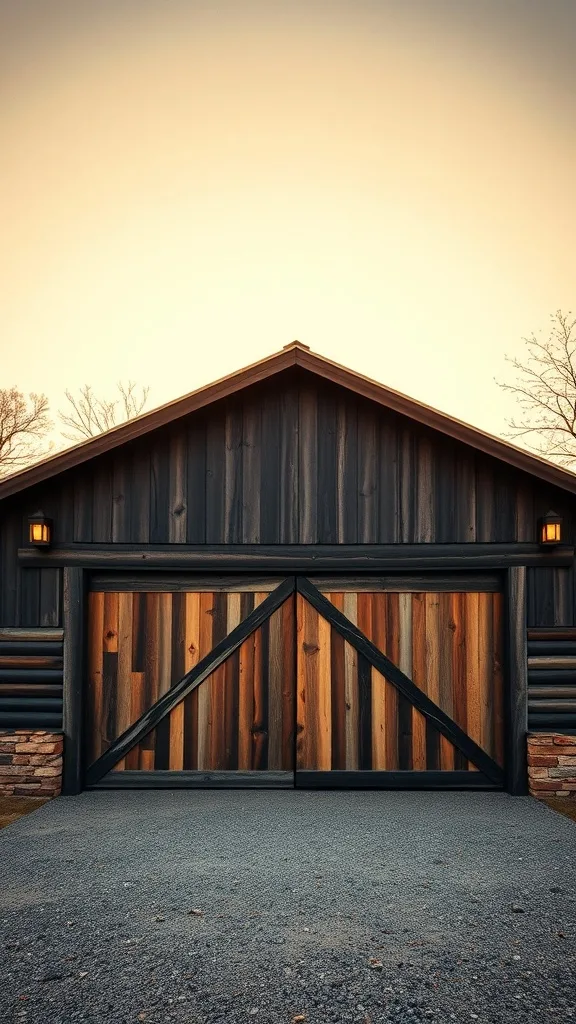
(292, 577)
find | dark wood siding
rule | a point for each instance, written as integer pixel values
(294, 461)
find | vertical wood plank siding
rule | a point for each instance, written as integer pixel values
(350, 717)
(240, 717)
(295, 461)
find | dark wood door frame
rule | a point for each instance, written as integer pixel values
(516, 683)
(74, 676)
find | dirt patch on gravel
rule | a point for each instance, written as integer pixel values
(13, 807)
(563, 806)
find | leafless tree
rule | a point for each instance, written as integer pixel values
(87, 415)
(24, 424)
(546, 390)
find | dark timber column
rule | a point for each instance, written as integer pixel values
(517, 691)
(73, 679)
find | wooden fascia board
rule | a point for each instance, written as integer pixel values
(438, 421)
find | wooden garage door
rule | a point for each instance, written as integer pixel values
(399, 688)
(191, 687)
(376, 683)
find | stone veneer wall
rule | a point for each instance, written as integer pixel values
(30, 762)
(551, 764)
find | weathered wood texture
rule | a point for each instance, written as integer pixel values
(73, 691)
(349, 717)
(551, 680)
(516, 721)
(295, 462)
(30, 679)
(239, 718)
(136, 560)
(142, 779)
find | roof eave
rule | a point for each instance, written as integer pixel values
(439, 421)
(141, 425)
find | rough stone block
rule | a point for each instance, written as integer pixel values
(562, 792)
(546, 760)
(563, 741)
(46, 772)
(28, 748)
(567, 759)
(27, 789)
(562, 773)
(49, 748)
(538, 773)
(545, 750)
(8, 748)
(541, 785)
(540, 738)
(21, 758)
(48, 759)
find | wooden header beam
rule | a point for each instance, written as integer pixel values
(299, 557)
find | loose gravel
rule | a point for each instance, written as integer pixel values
(273, 907)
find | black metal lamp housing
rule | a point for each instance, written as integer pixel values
(550, 529)
(40, 530)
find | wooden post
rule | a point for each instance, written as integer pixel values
(516, 705)
(73, 680)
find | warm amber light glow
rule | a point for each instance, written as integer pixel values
(551, 533)
(550, 528)
(39, 531)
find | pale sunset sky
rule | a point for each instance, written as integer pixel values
(185, 187)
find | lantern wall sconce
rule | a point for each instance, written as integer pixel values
(40, 530)
(550, 529)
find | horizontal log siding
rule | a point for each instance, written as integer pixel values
(295, 462)
(552, 680)
(30, 680)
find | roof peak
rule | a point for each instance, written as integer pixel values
(296, 344)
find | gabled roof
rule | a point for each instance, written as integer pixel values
(291, 355)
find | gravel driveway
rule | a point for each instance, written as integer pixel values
(205, 906)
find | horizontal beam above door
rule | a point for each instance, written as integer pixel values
(132, 581)
(307, 558)
(175, 582)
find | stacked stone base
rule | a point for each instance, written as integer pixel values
(30, 763)
(552, 765)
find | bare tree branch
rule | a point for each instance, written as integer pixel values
(88, 415)
(24, 424)
(546, 392)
